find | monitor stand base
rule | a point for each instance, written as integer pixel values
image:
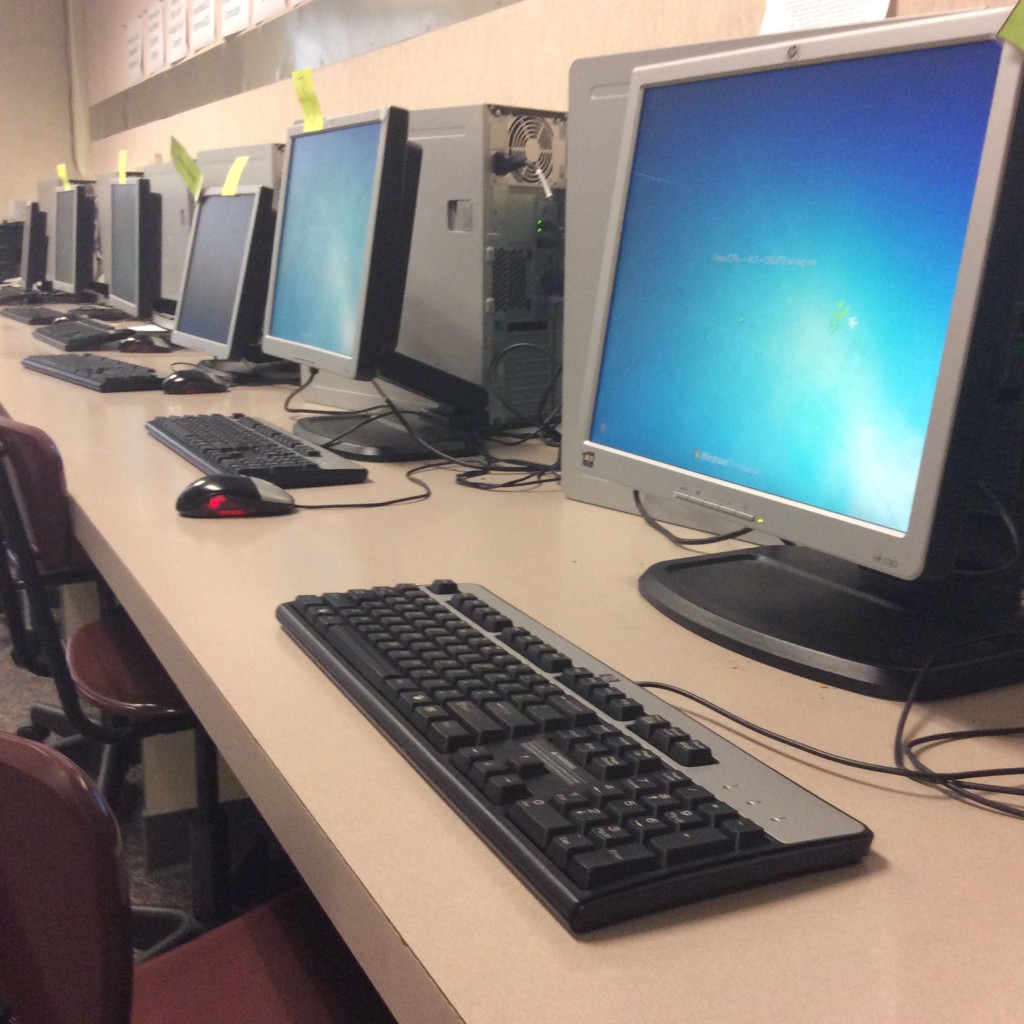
(844, 625)
(368, 437)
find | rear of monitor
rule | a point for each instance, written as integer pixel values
(33, 247)
(176, 206)
(132, 257)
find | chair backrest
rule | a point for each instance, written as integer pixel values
(65, 920)
(32, 479)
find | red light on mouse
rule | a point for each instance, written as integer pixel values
(221, 505)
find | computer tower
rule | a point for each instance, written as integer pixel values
(262, 168)
(483, 296)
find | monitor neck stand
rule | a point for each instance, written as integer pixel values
(455, 428)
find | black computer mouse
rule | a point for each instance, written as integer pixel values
(227, 496)
(191, 381)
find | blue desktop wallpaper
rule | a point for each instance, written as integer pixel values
(322, 258)
(786, 271)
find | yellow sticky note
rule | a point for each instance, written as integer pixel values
(186, 167)
(311, 112)
(62, 173)
(234, 176)
(1013, 28)
(122, 166)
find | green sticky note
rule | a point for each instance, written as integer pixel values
(122, 166)
(1013, 28)
(234, 176)
(62, 173)
(186, 167)
(313, 118)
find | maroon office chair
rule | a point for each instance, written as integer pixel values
(65, 940)
(106, 664)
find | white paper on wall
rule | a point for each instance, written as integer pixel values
(263, 9)
(153, 55)
(234, 16)
(177, 30)
(202, 24)
(133, 49)
(788, 15)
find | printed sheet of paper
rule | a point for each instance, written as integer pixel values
(787, 15)
(263, 9)
(154, 54)
(203, 26)
(177, 30)
(133, 49)
(234, 16)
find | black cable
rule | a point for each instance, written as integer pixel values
(475, 467)
(850, 762)
(407, 499)
(683, 542)
(540, 421)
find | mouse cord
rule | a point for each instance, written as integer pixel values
(408, 499)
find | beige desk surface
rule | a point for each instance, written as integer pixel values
(927, 929)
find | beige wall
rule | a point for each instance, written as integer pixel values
(519, 54)
(34, 120)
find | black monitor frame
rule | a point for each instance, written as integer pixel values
(33, 247)
(137, 294)
(73, 237)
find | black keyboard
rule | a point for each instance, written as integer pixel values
(96, 372)
(105, 313)
(80, 335)
(606, 801)
(243, 445)
(34, 314)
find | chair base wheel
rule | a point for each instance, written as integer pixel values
(34, 732)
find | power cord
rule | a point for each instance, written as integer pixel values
(408, 499)
(682, 542)
(961, 785)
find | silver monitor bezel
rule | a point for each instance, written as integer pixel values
(904, 555)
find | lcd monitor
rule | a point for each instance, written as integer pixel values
(224, 286)
(341, 251)
(807, 320)
(73, 237)
(33, 247)
(133, 265)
